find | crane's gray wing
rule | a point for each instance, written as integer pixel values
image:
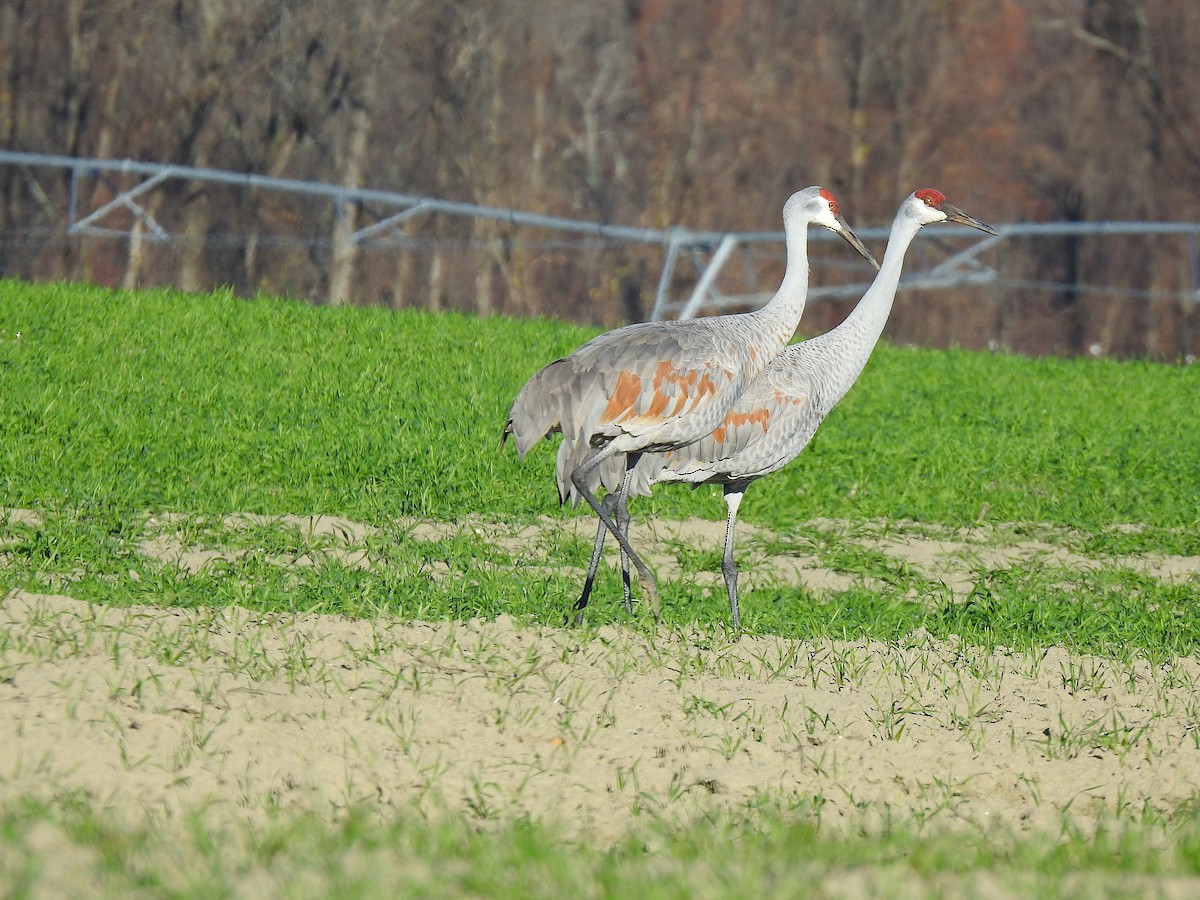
(669, 381)
(770, 424)
(674, 378)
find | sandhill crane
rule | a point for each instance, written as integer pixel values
(660, 385)
(777, 415)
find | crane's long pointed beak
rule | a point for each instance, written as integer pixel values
(954, 214)
(852, 239)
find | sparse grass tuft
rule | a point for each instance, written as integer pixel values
(360, 855)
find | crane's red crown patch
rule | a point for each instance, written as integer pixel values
(931, 197)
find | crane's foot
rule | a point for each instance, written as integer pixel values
(650, 595)
(575, 617)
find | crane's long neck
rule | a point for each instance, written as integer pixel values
(782, 314)
(849, 345)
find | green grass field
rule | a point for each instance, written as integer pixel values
(117, 409)
(161, 400)
(119, 406)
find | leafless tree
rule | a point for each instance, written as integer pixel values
(651, 112)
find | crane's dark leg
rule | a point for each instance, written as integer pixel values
(580, 479)
(623, 524)
(617, 504)
(621, 502)
(733, 499)
(622, 518)
(610, 500)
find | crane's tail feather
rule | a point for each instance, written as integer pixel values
(538, 410)
(571, 455)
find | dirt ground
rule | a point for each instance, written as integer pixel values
(163, 713)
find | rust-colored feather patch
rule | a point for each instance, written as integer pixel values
(672, 393)
(666, 372)
(760, 416)
(629, 388)
(657, 404)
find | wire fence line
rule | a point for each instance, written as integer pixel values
(123, 200)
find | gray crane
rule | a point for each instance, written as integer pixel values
(779, 412)
(657, 386)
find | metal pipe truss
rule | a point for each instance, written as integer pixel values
(708, 250)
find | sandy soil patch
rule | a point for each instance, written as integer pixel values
(164, 712)
(952, 557)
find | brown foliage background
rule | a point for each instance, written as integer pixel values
(640, 112)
